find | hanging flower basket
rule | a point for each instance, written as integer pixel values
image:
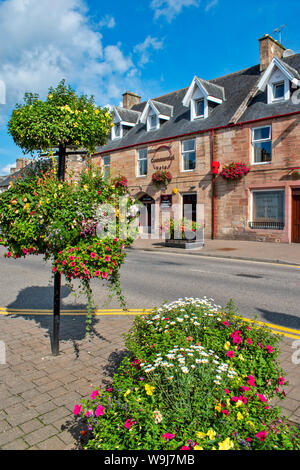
(234, 171)
(161, 177)
(120, 182)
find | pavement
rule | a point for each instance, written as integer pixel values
(283, 253)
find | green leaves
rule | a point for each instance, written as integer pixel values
(64, 118)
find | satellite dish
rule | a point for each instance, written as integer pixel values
(288, 53)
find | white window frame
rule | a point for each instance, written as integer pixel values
(265, 191)
(187, 151)
(141, 159)
(258, 141)
(113, 134)
(105, 166)
(149, 128)
(276, 78)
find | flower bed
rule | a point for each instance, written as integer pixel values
(197, 378)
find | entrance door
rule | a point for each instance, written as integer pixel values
(296, 217)
(147, 213)
(189, 202)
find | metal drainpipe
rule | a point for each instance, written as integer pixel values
(213, 187)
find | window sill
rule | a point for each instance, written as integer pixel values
(261, 163)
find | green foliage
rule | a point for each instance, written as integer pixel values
(62, 119)
(197, 377)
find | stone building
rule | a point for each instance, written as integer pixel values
(251, 116)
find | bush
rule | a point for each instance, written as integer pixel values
(197, 377)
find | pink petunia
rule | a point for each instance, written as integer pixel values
(100, 410)
(168, 436)
(249, 340)
(269, 349)
(89, 413)
(281, 381)
(244, 388)
(106, 258)
(185, 448)
(261, 435)
(230, 354)
(227, 391)
(262, 398)
(77, 410)
(94, 394)
(104, 275)
(129, 423)
(225, 323)
(93, 255)
(251, 381)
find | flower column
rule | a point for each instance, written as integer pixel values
(57, 275)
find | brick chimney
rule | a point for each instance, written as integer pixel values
(130, 99)
(269, 48)
(21, 163)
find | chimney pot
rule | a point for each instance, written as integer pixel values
(130, 99)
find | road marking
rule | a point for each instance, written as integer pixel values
(283, 331)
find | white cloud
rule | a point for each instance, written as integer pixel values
(107, 22)
(171, 8)
(144, 49)
(6, 169)
(46, 41)
(211, 4)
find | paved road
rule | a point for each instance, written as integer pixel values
(148, 278)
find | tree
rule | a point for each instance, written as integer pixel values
(43, 214)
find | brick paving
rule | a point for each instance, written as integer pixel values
(38, 391)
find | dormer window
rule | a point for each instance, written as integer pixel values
(199, 108)
(117, 131)
(277, 79)
(152, 122)
(155, 114)
(199, 97)
(278, 91)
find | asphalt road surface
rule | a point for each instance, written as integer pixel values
(270, 291)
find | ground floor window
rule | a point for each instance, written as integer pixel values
(267, 210)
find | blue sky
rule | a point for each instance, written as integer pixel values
(151, 47)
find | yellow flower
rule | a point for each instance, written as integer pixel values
(200, 434)
(85, 187)
(227, 444)
(26, 207)
(55, 196)
(218, 407)
(97, 111)
(25, 199)
(228, 402)
(211, 434)
(198, 448)
(241, 358)
(127, 393)
(239, 403)
(227, 345)
(250, 424)
(50, 96)
(239, 416)
(149, 389)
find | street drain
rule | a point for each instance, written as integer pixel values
(226, 249)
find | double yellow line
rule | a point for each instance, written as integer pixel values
(276, 329)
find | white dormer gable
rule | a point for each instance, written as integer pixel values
(153, 113)
(199, 94)
(277, 78)
(117, 131)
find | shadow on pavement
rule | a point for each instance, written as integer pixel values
(280, 319)
(72, 327)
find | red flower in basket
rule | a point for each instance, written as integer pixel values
(234, 170)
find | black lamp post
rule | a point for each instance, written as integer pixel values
(62, 153)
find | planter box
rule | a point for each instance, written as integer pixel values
(185, 244)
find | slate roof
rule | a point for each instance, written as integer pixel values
(163, 108)
(213, 89)
(237, 87)
(128, 115)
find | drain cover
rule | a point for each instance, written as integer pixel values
(254, 276)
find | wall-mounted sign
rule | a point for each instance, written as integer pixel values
(166, 202)
(162, 158)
